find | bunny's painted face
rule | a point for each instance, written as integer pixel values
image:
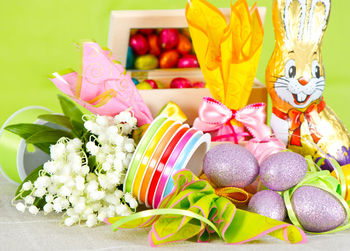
(295, 73)
(301, 84)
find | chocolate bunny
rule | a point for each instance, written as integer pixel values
(295, 79)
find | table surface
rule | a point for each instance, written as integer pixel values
(23, 231)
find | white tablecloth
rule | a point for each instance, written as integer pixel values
(23, 231)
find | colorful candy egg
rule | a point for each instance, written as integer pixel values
(146, 62)
(146, 31)
(184, 46)
(139, 44)
(269, 204)
(169, 38)
(130, 58)
(144, 86)
(230, 165)
(283, 170)
(152, 83)
(198, 85)
(154, 47)
(188, 61)
(180, 83)
(135, 81)
(317, 210)
(168, 59)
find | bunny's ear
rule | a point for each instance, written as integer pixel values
(318, 19)
(290, 19)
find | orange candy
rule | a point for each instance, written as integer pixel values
(169, 59)
(184, 46)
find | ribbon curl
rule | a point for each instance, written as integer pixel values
(193, 209)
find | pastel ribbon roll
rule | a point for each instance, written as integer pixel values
(190, 158)
(139, 152)
(148, 155)
(14, 150)
(169, 165)
(164, 142)
(162, 163)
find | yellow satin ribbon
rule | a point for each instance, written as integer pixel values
(234, 194)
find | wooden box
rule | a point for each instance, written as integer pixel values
(122, 22)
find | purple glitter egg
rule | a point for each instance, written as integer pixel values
(269, 204)
(317, 210)
(230, 165)
(283, 170)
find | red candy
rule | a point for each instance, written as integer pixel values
(152, 83)
(199, 85)
(180, 83)
(169, 38)
(139, 44)
(146, 31)
(184, 46)
(169, 59)
(153, 42)
(188, 61)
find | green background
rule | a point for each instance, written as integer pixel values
(37, 39)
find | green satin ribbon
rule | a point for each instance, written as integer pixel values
(322, 180)
(9, 142)
(194, 209)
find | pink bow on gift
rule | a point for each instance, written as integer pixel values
(103, 87)
(215, 116)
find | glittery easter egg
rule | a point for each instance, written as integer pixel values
(144, 86)
(152, 82)
(180, 83)
(168, 38)
(139, 44)
(269, 204)
(283, 170)
(168, 59)
(317, 210)
(230, 165)
(184, 46)
(188, 61)
(146, 62)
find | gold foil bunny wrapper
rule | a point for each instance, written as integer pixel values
(295, 79)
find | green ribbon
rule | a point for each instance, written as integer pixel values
(322, 180)
(9, 142)
(193, 209)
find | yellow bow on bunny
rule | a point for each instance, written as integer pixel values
(295, 79)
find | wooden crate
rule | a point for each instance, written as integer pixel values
(121, 22)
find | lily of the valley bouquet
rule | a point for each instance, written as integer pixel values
(89, 153)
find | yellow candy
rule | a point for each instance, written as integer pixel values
(144, 86)
(146, 62)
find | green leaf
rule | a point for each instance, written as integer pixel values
(26, 130)
(78, 129)
(31, 177)
(57, 119)
(70, 109)
(50, 136)
(92, 163)
(45, 147)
